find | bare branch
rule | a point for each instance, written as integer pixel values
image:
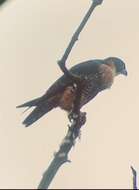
(77, 118)
(134, 178)
(75, 37)
(61, 156)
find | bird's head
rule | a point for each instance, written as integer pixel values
(117, 64)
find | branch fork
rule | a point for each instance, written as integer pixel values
(77, 118)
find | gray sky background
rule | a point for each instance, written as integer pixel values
(33, 36)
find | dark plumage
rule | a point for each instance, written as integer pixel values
(99, 75)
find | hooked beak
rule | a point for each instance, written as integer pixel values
(124, 72)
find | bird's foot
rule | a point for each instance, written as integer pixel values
(72, 116)
(77, 121)
(77, 118)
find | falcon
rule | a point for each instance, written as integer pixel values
(99, 75)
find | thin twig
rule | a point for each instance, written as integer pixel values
(77, 118)
(134, 178)
(75, 37)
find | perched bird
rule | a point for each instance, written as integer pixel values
(99, 75)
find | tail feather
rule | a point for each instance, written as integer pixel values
(42, 106)
(30, 103)
(37, 113)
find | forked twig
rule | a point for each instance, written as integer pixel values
(78, 118)
(75, 37)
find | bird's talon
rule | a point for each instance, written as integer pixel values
(72, 116)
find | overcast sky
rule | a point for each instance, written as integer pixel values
(33, 36)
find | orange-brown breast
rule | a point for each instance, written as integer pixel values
(107, 76)
(93, 86)
(67, 98)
